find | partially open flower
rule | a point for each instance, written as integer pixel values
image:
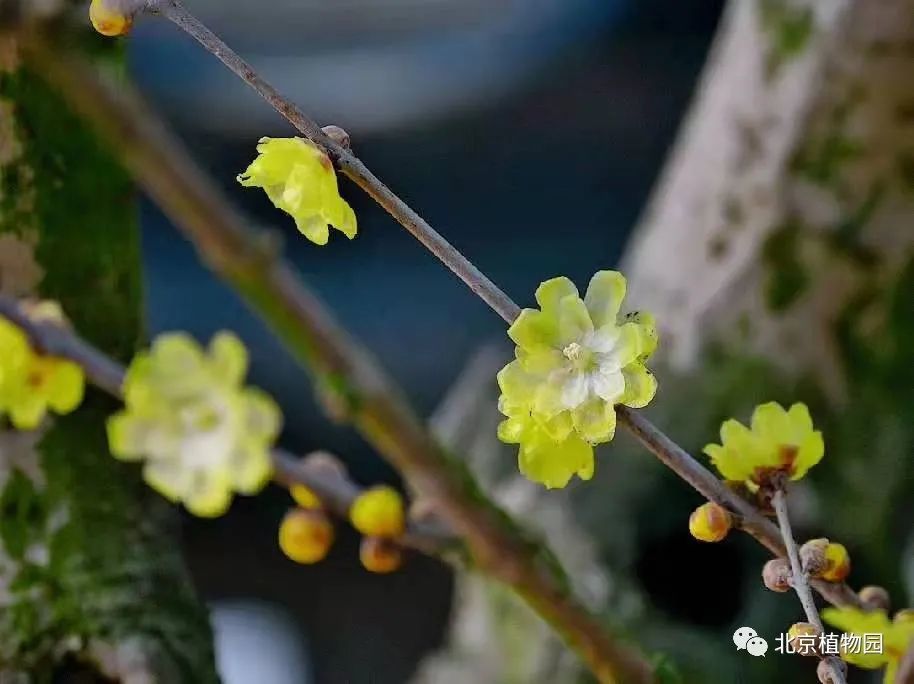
(813, 558)
(300, 180)
(380, 555)
(378, 512)
(779, 442)
(111, 17)
(306, 536)
(576, 360)
(200, 431)
(896, 637)
(33, 383)
(710, 522)
(837, 563)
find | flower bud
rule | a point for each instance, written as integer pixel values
(378, 512)
(874, 598)
(337, 135)
(776, 575)
(108, 20)
(904, 617)
(824, 670)
(324, 462)
(804, 638)
(380, 555)
(305, 536)
(710, 522)
(838, 563)
(304, 497)
(812, 556)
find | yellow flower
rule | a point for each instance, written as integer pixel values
(779, 441)
(31, 383)
(201, 433)
(299, 179)
(897, 637)
(108, 19)
(575, 360)
(710, 522)
(378, 512)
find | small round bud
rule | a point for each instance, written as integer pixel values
(776, 575)
(324, 462)
(378, 512)
(337, 135)
(304, 497)
(812, 556)
(305, 536)
(874, 598)
(804, 638)
(380, 555)
(108, 19)
(904, 617)
(824, 670)
(710, 522)
(838, 563)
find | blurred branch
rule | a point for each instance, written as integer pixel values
(905, 674)
(336, 491)
(355, 385)
(800, 579)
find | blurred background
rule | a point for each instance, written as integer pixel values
(529, 133)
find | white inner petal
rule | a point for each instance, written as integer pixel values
(576, 390)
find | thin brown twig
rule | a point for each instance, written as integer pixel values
(360, 390)
(905, 673)
(658, 443)
(335, 490)
(800, 579)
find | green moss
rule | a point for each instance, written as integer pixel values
(786, 278)
(112, 570)
(788, 28)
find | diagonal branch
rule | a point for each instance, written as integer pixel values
(344, 371)
(800, 580)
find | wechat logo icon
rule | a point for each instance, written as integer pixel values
(747, 639)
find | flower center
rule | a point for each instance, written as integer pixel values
(582, 359)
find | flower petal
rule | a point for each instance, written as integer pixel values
(595, 421)
(228, 358)
(640, 385)
(573, 320)
(551, 292)
(604, 297)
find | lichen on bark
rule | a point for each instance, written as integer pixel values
(90, 573)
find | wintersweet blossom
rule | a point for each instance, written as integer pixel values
(31, 383)
(299, 179)
(201, 433)
(575, 361)
(778, 442)
(897, 637)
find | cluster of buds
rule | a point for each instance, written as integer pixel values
(378, 513)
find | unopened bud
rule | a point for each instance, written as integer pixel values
(305, 536)
(904, 617)
(804, 638)
(838, 563)
(324, 462)
(812, 556)
(710, 522)
(380, 555)
(776, 575)
(337, 135)
(875, 598)
(378, 512)
(824, 670)
(111, 17)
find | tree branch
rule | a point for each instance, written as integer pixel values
(344, 371)
(335, 490)
(800, 579)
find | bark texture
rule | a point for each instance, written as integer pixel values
(92, 585)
